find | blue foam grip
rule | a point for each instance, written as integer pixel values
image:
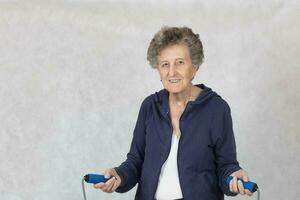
(95, 178)
(251, 186)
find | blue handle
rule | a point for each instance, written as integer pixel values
(95, 178)
(251, 186)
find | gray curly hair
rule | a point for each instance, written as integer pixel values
(168, 36)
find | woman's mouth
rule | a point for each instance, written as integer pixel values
(174, 80)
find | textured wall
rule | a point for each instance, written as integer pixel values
(73, 75)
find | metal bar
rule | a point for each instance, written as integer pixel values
(83, 189)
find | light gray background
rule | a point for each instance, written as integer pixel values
(73, 75)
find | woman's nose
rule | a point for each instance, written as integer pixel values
(172, 70)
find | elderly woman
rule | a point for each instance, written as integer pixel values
(183, 145)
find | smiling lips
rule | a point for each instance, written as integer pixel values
(174, 80)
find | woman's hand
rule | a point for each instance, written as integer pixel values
(237, 186)
(112, 184)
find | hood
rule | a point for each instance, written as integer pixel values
(161, 98)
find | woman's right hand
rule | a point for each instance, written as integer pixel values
(112, 184)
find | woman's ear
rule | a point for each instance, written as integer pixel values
(195, 71)
(159, 74)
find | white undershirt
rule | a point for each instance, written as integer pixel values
(168, 184)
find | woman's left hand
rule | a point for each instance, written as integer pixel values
(236, 186)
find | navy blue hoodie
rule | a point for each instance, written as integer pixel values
(206, 149)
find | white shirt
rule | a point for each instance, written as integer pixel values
(168, 184)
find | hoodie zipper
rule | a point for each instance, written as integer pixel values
(168, 118)
(157, 175)
(178, 151)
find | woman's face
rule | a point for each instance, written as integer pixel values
(175, 68)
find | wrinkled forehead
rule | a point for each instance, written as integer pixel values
(173, 52)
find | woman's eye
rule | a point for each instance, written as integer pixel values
(165, 65)
(180, 62)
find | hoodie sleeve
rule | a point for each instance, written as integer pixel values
(130, 170)
(225, 147)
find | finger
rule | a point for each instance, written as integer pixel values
(98, 185)
(234, 185)
(117, 177)
(245, 177)
(102, 186)
(248, 192)
(116, 185)
(241, 187)
(109, 185)
(230, 186)
(115, 174)
(107, 173)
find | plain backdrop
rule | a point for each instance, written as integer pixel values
(74, 73)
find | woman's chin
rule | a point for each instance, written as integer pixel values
(174, 90)
(175, 87)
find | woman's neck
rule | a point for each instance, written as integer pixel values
(182, 98)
